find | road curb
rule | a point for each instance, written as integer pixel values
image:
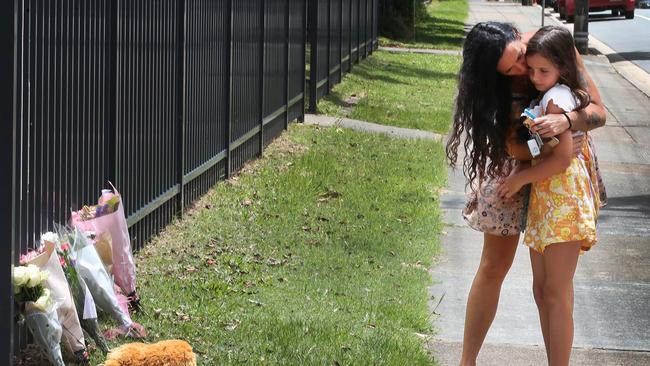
(627, 69)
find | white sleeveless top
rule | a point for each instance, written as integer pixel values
(560, 94)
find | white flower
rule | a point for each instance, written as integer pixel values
(45, 275)
(34, 274)
(20, 276)
(49, 237)
(44, 301)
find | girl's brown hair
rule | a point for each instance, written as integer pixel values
(556, 44)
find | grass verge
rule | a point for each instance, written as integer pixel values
(398, 89)
(441, 28)
(315, 254)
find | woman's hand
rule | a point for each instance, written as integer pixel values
(510, 186)
(550, 125)
(578, 141)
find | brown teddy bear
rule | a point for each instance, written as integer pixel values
(163, 353)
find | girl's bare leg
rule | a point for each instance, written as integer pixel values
(496, 259)
(560, 261)
(539, 280)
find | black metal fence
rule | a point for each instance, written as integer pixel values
(341, 33)
(162, 97)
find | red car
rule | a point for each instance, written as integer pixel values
(567, 8)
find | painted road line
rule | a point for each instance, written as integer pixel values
(641, 16)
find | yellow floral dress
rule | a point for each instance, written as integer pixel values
(564, 207)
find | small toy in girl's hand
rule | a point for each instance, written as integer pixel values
(170, 353)
(529, 122)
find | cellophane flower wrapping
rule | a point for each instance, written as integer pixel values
(83, 300)
(48, 260)
(38, 309)
(46, 329)
(91, 269)
(103, 221)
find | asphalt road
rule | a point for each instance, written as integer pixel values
(628, 37)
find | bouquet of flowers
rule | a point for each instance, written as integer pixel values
(92, 271)
(40, 310)
(48, 260)
(83, 300)
(107, 218)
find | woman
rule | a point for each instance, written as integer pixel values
(493, 88)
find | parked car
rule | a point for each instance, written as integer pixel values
(643, 4)
(567, 8)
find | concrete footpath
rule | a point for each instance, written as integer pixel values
(612, 283)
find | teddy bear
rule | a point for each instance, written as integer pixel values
(164, 353)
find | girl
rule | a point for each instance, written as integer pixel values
(563, 204)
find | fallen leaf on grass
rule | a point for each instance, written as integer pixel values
(182, 316)
(255, 302)
(247, 202)
(190, 269)
(230, 326)
(330, 194)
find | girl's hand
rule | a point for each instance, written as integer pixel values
(510, 186)
(550, 125)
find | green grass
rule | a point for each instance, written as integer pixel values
(315, 254)
(441, 28)
(398, 89)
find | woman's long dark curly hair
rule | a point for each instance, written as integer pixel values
(483, 103)
(556, 44)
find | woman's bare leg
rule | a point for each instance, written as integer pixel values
(496, 259)
(539, 280)
(560, 261)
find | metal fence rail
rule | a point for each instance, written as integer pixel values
(162, 97)
(341, 32)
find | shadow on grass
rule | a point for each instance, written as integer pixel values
(377, 70)
(437, 30)
(403, 70)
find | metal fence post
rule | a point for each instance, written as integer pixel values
(261, 81)
(358, 31)
(303, 69)
(114, 107)
(312, 24)
(365, 30)
(228, 104)
(372, 25)
(180, 97)
(328, 67)
(581, 26)
(287, 43)
(340, 40)
(350, 36)
(7, 164)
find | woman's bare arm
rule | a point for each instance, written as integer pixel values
(594, 115)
